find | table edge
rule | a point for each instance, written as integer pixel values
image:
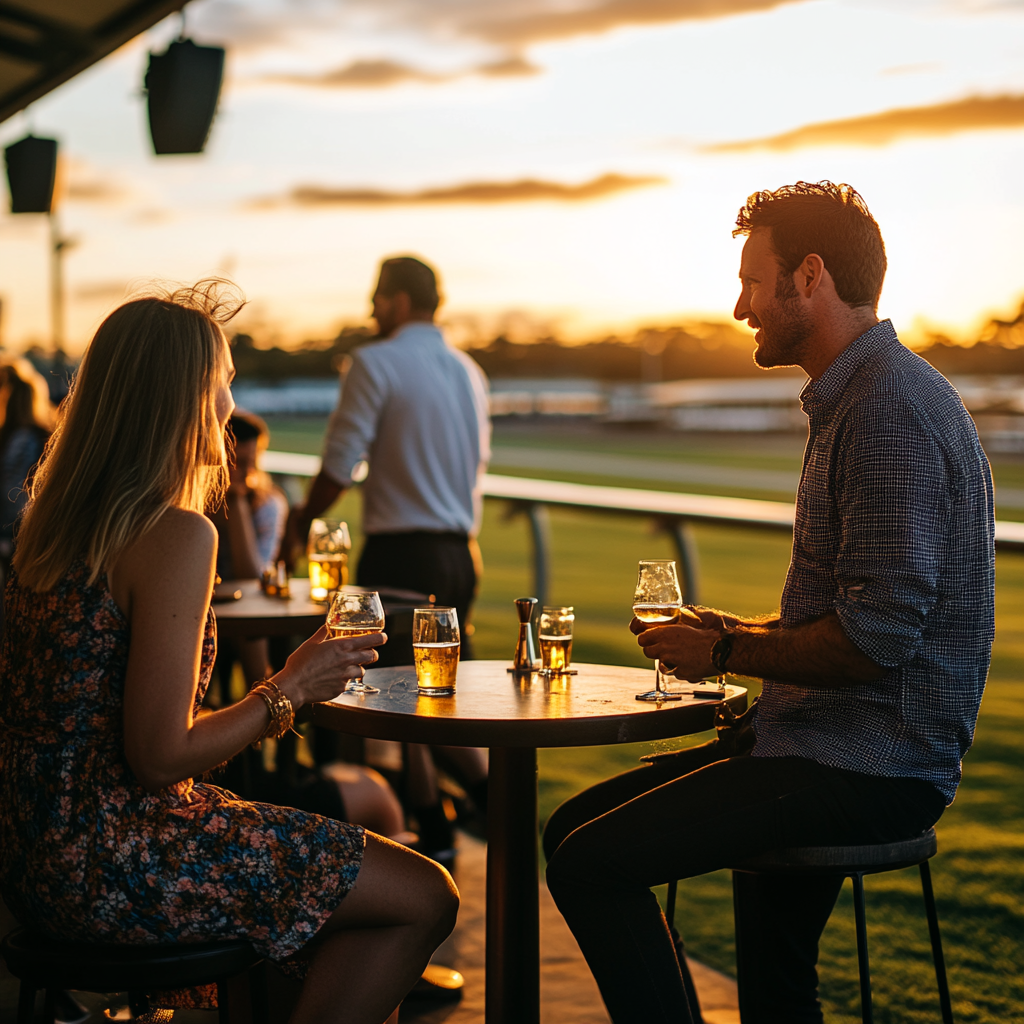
(598, 730)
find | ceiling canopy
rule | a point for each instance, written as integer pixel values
(43, 43)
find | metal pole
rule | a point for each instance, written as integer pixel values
(512, 993)
(57, 245)
(686, 552)
(540, 533)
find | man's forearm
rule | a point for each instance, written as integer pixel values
(816, 654)
(323, 493)
(715, 618)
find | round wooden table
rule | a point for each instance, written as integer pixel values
(514, 716)
(256, 615)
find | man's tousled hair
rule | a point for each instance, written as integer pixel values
(830, 220)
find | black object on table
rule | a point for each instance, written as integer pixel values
(514, 716)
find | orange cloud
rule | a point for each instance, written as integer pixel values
(970, 114)
(510, 24)
(505, 24)
(380, 74)
(526, 190)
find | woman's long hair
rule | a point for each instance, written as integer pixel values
(24, 400)
(137, 434)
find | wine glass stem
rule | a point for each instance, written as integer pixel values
(657, 676)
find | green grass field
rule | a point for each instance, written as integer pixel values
(979, 871)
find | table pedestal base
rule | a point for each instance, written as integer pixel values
(513, 908)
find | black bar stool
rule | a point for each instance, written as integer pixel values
(855, 862)
(49, 964)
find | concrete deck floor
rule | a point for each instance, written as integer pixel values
(568, 992)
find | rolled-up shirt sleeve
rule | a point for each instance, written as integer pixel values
(353, 424)
(894, 493)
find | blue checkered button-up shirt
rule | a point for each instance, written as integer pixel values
(895, 533)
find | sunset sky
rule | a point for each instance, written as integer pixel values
(570, 167)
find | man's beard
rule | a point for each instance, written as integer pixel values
(785, 330)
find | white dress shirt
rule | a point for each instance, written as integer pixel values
(416, 410)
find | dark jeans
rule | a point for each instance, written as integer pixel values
(687, 815)
(432, 563)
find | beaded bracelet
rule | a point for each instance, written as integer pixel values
(282, 714)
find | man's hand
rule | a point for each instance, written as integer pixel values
(686, 615)
(323, 492)
(683, 650)
(711, 618)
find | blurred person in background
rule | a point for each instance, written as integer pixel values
(416, 409)
(250, 524)
(27, 422)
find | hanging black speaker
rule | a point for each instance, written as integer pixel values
(31, 172)
(183, 85)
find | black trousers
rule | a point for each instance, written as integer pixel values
(432, 563)
(686, 815)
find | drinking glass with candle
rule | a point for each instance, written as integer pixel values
(356, 615)
(435, 649)
(327, 549)
(555, 637)
(657, 602)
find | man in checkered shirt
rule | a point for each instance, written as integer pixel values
(873, 669)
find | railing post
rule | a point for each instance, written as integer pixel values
(686, 551)
(540, 532)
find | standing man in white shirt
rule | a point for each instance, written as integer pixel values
(416, 410)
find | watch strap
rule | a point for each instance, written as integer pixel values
(720, 651)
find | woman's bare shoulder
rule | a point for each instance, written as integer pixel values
(180, 546)
(179, 526)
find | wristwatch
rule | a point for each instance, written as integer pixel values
(720, 651)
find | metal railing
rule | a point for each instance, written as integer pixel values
(673, 512)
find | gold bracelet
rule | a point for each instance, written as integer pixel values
(282, 714)
(265, 697)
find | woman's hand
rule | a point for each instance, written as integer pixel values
(320, 668)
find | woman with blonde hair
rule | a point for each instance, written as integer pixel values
(104, 835)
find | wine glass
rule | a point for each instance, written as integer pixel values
(356, 615)
(327, 549)
(657, 601)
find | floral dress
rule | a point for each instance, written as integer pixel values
(88, 854)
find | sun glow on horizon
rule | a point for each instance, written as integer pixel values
(531, 250)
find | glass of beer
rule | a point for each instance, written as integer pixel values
(555, 635)
(435, 648)
(356, 615)
(327, 549)
(658, 601)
